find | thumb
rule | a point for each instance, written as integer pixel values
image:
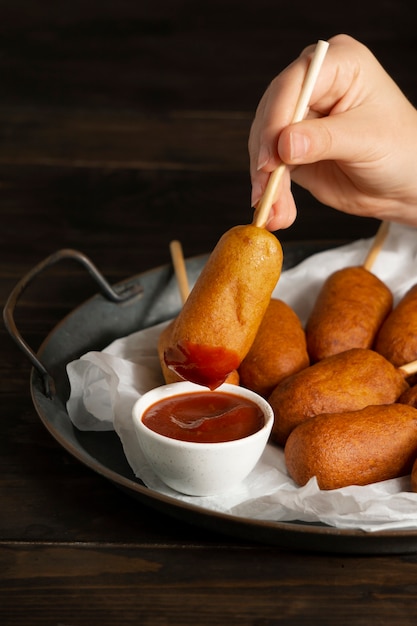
(320, 139)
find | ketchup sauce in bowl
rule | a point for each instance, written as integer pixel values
(205, 417)
(201, 442)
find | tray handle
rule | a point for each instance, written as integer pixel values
(105, 288)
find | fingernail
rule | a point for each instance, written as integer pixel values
(299, 145)
(256, 194)
(263, 157)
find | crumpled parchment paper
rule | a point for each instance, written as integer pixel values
(106, 384)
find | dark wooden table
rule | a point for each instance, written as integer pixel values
(124, 125)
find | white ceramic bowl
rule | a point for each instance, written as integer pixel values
(200, 469)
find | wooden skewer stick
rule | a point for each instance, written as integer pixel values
(180, 270)
(377, 244)
(264, 207)
(409, 368)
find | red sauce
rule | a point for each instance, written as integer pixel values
(204, 417)
(205, 365)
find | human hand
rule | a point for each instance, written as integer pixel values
(355, 151)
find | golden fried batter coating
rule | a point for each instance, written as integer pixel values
(219, 321)
(348, 381)
(349, 310)
(354, 448)
(397, 337)
(279, 350)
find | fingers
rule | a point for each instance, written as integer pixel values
(355, 149)
(263, 145)
(283, 210)
(325, 135)
(274, 112)
(348, 137)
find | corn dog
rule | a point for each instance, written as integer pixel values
(219, 321)
(347, 381)
(239, 277)
(350, 308)
(397, 338)
(354, 448)
(177, 256)
(279, 350)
